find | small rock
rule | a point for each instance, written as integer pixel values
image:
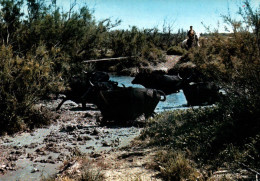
(33, 145)
(95, 132)
(81, 143)
(95, 155)
(130, 160)
(39, 150)
(68, 128)
(18, 152)
(86, 138)
(16, 147)
(43, 161)
(35, 170)
(90, 147)
(79, 138)
(106, 131)
(51, 161)
(105, 143)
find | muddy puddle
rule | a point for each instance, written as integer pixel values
(39, 154)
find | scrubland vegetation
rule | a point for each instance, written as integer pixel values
(227, 134)
(44, 46)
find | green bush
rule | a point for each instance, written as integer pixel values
(23, 82)
(152, 55)
(208, 133)
(227, 134)
(174, 166)
(176, 50)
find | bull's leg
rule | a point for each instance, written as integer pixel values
(150, 114)
(60, 104)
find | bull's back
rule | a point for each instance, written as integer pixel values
(126, 103)
(199, 93)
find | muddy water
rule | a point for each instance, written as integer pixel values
(39, 154)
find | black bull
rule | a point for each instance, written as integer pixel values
(166, 83)
(79, 85)
(127, 103)
(201, 93)
(76, 93)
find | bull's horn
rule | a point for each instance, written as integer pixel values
(162, 94)
(179, 76)
(92, 85)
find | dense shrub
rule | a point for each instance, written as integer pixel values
(174, 166)
(78, 36)
(153, 55)
(23, 82)
(208, 133)
(227, 134)
(176, 50)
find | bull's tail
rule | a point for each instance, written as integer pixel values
(162, 95)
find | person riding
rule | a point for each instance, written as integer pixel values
(191, 37)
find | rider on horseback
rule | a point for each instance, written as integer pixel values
(191, 37)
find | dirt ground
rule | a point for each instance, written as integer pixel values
(125, 164)
(40, 153)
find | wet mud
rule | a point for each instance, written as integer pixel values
(41, 153)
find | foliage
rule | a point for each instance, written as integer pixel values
(233, 60)
(90, 175)
(87, 171)
(176, 50)
(217, 136)
(174, 166)
(153, 55)
(23, 82)
(41, 45)
(78, 36)
(227, 134)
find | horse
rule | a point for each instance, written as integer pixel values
(195, 43)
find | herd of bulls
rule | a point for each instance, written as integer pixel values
(128, 103)
(196, 93)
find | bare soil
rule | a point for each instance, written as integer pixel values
(42, 152)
